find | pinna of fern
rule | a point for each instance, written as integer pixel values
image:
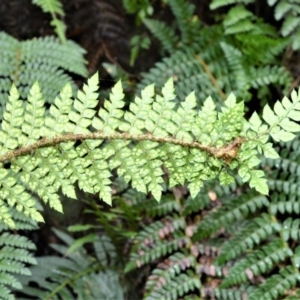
(54, 7)
(212, 71)
(261, 235)
(39, 154)
(289, 12)
(240, 19)
(253, 247)
(166, 245)
(249, 51)
(16, 254)
(22, 62)
(256, 245)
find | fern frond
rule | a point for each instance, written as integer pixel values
(44, 59)
(77, 273)
(284, 178)
(267, 75)
(231, 294)
(152, 242)
(288, 186)
(254, 77)
(235, 62)
(179, 286)
(15, 258)
(18, 219)
(257, 262)
(167, 206)
(54, 7)
(213, 71)
(236, 14)
(277, 285)
(200, 68)
(50, 6)
(289, 11)
(254, 233)
(166, 35)
(195, 147)
(284, 203)
(263, 38)
(193, 205)
(167, 271)
(290, 229)
(188, 26)
(239, 20)
(235, 209)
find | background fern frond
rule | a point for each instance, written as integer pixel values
(75, 273)
(188, 26)
(219, 3)
(251, 234)
(16, 255)
(233, 209)
(166, 35)
(258, 262)
(54, 7)
(277, 284)
(289, 11)
(43, 59)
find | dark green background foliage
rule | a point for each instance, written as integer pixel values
(224, 242)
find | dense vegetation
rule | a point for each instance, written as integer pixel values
(187, 188)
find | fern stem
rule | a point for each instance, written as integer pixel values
(18, 63)
(227, 152)
(211, 76)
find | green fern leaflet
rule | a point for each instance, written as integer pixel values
(44, 151)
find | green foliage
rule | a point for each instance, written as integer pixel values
(74, 273)
(210, 241)
(237, 209)
(180, 248)
(16, 255)
(253, 233)
(39, 146)
(195, 147)
(289, 12)
(258, 262)
(167, 245)
(165, 34)
(239, 19)
(243, 238)
(219, 3)
(54, 7)
(45, 59)
(248, 51)
(188, 26)
(137, 43)
(277, 284)
(141, 8)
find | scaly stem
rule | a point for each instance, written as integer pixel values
(227, 152)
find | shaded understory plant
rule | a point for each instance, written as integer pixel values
(203, 241)
(44, 150)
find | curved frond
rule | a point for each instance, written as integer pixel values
(193, 146)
